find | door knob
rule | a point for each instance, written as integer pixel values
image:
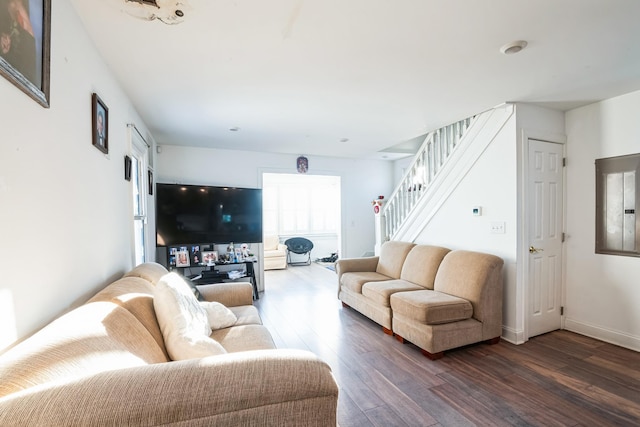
(533, 250)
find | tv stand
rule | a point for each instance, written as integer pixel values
(212, 275)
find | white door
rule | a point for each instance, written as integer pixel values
(545, 236)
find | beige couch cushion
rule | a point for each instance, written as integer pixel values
(476, 277)
(431, 307)
(353, 281)
(380, 292)
(244, 338)
(96, 337)
(421, 265)
(150, 271)
(392, 256)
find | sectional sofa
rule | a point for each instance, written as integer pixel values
(434, 297)
(107, 363)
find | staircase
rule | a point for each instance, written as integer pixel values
(444, 158)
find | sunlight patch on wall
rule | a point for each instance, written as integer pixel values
(8, 332)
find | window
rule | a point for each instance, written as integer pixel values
(139, 168)
(617, 222)
(300, 204)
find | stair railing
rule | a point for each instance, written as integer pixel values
(433, 154)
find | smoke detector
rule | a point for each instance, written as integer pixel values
(168, 11)
(513, 47)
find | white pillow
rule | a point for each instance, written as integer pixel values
(218, 314)
(183, 321)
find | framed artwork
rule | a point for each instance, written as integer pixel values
(182, 259)
(99, 123)
(209, 257)
(25, 46)
(128, 163)
(302, 164)
(150, 176)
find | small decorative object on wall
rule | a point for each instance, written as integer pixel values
(302, 164)
(127, 168)
(182, 259)
(25, 41)
(100, 124)
(150, 175)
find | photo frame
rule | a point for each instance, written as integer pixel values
(99, 123)
(128, 163)
(182, 259)
(150, 176)
(209, 257)
(25, 46)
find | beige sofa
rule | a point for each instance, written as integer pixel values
(105, 363)
(274, 253)
(433, 297)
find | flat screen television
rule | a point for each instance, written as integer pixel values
(197, 214)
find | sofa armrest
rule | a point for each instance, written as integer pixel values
(356, 264)
(266, 387)
(229, 294)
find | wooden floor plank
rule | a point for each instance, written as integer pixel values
(557, 379)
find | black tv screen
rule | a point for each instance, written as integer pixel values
(196, 214)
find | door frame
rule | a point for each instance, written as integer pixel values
(523, 269)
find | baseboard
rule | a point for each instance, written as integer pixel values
(512, 335)
(607, 335)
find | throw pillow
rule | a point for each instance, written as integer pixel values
(183, 321)
(219, 315)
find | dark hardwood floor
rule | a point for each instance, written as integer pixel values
(557, 379)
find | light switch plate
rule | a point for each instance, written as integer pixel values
(497, 227)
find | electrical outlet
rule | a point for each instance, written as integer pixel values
(497, 227)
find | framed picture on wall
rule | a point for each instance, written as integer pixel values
(25, 42)
(99, 124)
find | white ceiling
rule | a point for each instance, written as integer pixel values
(299, 76)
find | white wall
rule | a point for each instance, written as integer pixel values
(362, 181)
(602, 291)
(494, 184)
(65, 207)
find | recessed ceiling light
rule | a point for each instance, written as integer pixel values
(234, 129)
(344, 140)
(513, 47)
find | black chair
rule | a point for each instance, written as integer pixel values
(300, 246)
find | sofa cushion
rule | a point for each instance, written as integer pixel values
(380, 292)
(246, 315)
(354, 280)
(183, 321)
(149, 271)
(431, 307)
(96, 337)
(135, 295)
(244, 338)
(476, 277)
(218, 315)
(392, 256)
(421, 265)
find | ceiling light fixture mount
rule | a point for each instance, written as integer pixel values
(168, 11)
(513, 47)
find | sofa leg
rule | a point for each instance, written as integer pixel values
(432, 356)
(387, 331)
(400, 339)
(345, 305)
(493, 341)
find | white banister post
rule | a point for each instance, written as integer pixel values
(380, 226)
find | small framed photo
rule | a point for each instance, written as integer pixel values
(100, 124)
(182, 259)
(209, 257)
(150, 176)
